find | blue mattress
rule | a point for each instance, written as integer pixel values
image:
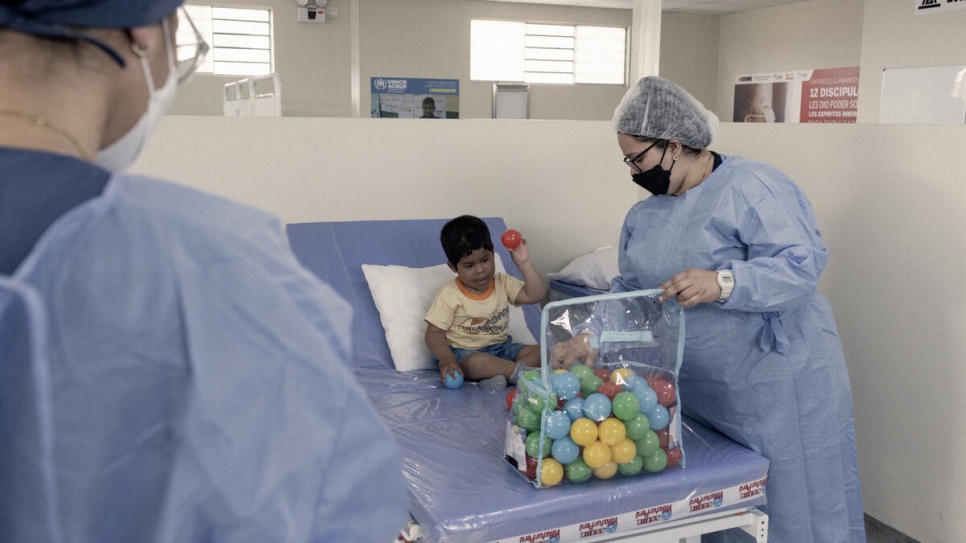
(452, 441)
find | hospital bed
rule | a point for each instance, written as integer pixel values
(452, 441)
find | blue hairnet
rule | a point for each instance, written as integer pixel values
(657, 108)
(53, 18)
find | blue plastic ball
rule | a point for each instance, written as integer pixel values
(647, 397)
(597, 407)
(557, 425)
(574, 408)
(658, 417)
(454, 383)
(633, 382)
(564, 450)
(565, 385)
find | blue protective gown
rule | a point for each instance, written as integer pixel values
(170, 373)
(765, 368)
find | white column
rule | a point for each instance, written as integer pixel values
(645, 39)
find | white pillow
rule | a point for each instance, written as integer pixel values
(594, 270)
(403, 296)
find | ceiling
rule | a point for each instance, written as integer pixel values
(707, 7)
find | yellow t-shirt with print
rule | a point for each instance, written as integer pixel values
(474, 321)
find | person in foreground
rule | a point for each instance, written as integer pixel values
(168, 371)
(735, 242)
(467, 324)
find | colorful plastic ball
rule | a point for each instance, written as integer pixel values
(574, 408)
(578, 471)
(646, 396)
(620, 376)
(581, 371)
(625, 406)
(606, 471)
(623, 451)
(597, 454)
(534, 443)
(509, 398)
(531, 375)
(666, 395)
(674, 457)
(596, 407)
(637, 427)
(609, 389)
(566, 385)
(538, 402)
(603, 374)
(452, 382)
(564, 450)
(557, 425)
(551, 472)
(531, 467)
(659, 417)
(583, 431)
(633, 382)
(631, 468)
(648, 444)
(663, 438)
(511, 239)
(589, 385)
(610, 431)
(520, 403)
(656, 461)
(529, 420)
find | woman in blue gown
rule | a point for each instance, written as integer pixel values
(168, 371)
(736, 243)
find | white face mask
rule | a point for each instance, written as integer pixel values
(120, 155)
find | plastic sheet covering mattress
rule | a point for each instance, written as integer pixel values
(452, 441)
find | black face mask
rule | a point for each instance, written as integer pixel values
(657, 180)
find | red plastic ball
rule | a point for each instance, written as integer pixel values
(666, 394)
(603, 373)
(673, 457)
(509, 397)
(511, 239)
(609, 389)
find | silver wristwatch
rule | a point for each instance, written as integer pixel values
(727, 282)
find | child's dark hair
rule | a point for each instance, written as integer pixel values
(463, 235)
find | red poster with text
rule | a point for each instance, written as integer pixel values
(830, 96)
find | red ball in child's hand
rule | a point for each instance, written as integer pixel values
(511, 239)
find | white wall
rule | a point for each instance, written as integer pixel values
(430, 39)
(529, 172)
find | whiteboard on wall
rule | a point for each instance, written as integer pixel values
(930, 95)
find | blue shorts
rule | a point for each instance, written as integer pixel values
(506, 350)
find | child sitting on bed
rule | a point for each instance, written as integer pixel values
(467, 325)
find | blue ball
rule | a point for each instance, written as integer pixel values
(658, 417)
(634, 381)
(647, 397)
(564, 450)
(565, 385)
(557, 425)
(597, 407)
(454, 383)
(574, 408)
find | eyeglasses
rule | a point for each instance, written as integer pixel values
(632, 161)
(190, 56)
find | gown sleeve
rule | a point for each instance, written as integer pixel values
(785, 254)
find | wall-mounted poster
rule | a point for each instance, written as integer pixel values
(802, 96)
(409, 98)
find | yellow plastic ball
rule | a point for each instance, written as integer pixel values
(551, 472)
(596, 454)
(583, 431)
(621, 375)
(623, 451)
(611, 431)
(606, 471)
